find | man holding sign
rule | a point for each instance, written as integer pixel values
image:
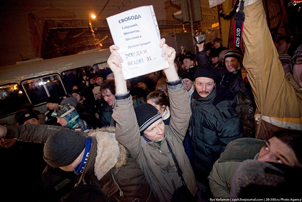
(144, 134)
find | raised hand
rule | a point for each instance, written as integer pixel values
(167, 52)
(114, 61)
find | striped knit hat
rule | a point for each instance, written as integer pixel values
(146, 114)
(284, 58)
(296, 53)
(234, 52)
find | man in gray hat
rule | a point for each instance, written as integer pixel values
(232, 79)
(95, 158)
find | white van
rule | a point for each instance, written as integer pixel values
(33, 81)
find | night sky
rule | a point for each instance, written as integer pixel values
(15, 42)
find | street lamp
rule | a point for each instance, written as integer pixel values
(96, 41)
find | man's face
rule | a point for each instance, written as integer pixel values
(77, 96)
(99, 80)
(52, 106)
(188, 83)
(297, 70)
(277, 151)
(214, 59)
(159, 108)
(156, 131)
(231, 64)
(108, 96)
(32, 121)
(282, 47)
(216, 44)
(62, 121)
(204, 86)
(187, 63)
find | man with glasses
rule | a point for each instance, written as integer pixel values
(278, 98)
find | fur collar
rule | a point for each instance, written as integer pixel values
(109, 152)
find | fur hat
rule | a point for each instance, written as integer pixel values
(63, 147)
(26, 115)
(234, 52)
(258, 179)
(146, 114)
(206, 71)
(70, 100)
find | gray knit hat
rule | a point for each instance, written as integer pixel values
(70, 100)
(63, 147)
(296, 53)
(146, 114)
(235, 53)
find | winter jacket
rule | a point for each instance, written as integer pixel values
(214, 123)
(108, 162)
(224, 168)
(243, 99)
(278, 98)
(155, 159)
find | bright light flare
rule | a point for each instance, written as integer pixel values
(93, 16)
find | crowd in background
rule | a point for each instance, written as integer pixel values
(231, 121)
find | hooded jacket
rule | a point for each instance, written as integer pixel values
(108, 162)
(224, 168)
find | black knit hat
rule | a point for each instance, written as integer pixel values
(206, 71)
(187, 75)
(63, 147)
(236, 53)
(146, 114)
(25, 115)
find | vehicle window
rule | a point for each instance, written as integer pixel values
(39, 89)
(80, 75)
(11, 99)
(75, 77)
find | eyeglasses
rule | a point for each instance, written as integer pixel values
(298, 60)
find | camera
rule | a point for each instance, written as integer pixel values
(200, 38)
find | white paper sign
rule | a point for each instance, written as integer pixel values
(137, 35)
(213, 3)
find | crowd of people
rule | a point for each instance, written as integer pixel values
(194, 131)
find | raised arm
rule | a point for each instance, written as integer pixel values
(29, 132)
(169, 54)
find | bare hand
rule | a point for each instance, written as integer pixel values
(167, 52)
(3, 131)
(114, 61)
(200, 46)
(7, 143)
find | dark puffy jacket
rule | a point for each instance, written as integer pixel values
(244, 101)
(214, 124)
